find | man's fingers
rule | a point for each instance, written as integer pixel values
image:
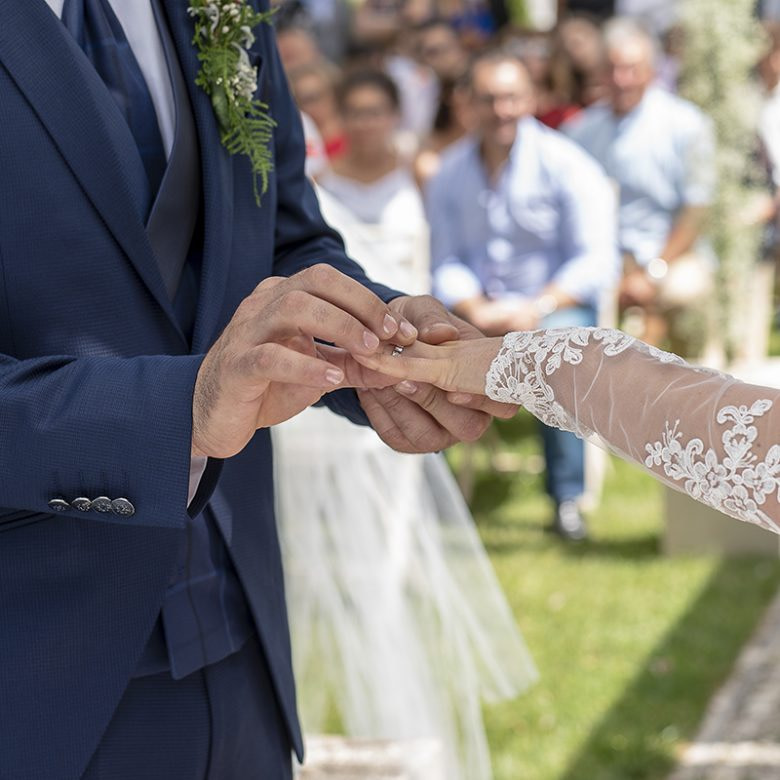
(273, 362)
(297, 312)
(483, 404)
(325, 282)
(421, 363)
(459, 366)
(355, 374)
(463, 423)
(434, 323)
(403, 424)
(383, 423)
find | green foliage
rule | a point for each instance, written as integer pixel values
(631, 645)
(723, 42)
(518, 13)
(223, 34)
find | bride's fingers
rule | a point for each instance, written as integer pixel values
(418, 362)
(355, 374)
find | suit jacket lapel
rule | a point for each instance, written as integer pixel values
(72, 102)
(217, 178)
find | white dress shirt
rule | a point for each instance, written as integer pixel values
(138, 23)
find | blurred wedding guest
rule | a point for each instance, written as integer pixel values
(659, 150)
(768, 211)
(314, 88)
(769, 9)
(596, 9)
(399, 627)
(769, 121)
(372, 181)
(316, 156)
(385, 36)
(439, 47)
(669, 64)
(297, 45)
(656, 16)
(380, 23)
(523, 236)
(578, 47)
(449, 125)
(329, 21)
(418, 86)
(476, 21)
(551, 73)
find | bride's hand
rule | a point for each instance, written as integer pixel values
(456, 366)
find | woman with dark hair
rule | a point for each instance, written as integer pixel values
(371, 182)
(313, 86)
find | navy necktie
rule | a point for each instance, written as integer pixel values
(98, 32)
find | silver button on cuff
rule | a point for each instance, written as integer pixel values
(82, 504)
(59, 505)
(102, 504)
(122, 507)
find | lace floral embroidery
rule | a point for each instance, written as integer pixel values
(737, 485)
(518, 373)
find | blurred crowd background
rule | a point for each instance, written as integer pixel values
(532, 163)
(535, 164)
(387, 92)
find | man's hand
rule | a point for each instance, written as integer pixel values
(416, 417)
(266, 366)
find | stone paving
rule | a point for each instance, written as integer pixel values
(343, 758)
(740, 736)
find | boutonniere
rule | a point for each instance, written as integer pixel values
(223, 35)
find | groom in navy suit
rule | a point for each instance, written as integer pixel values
(154, 321)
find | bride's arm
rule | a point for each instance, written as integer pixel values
(698, 430)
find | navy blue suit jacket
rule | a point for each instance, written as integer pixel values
(96, 382)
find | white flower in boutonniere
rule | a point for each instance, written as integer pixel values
(223, 35)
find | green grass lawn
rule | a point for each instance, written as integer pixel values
(630, 645)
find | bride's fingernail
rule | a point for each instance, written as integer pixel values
(408, 330)
(390, 325)
(334, 376)
(460, 398)
(370, 340)
(406, 387)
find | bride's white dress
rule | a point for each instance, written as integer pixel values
(399, 627)
(700, 431)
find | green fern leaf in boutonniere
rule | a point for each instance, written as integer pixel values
(223, 35)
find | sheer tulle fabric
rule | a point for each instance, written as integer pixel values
(399, 625)
(699, 431)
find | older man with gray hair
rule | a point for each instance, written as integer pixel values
(659, 150)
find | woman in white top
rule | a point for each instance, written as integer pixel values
(399, 626)
(381, 215)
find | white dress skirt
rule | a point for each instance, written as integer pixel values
(399, 627)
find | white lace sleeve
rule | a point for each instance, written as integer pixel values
(699, 431)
